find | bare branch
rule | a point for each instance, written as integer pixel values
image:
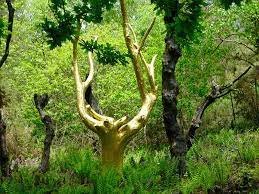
(131, 128)
(241, 75)
(240, 43)
(132, 50)
(91, 118)
(124, 120)
(11, 11)
(152, 68)
(91, 72)
(150, 71)
(237, 79)
(133, 32)
(142, 42)
(89, 121)
(222, 40)
(245, 60)
(216, 93)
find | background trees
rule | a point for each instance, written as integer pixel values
(182, 25)
(33, 68)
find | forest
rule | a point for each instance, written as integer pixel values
(129, 96)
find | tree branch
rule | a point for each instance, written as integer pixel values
(237, 79)
(150, 72)
(142, 42)
(90, 77)
(132, 51)
(139, 121)
(91, 119)
(216, 93)
(240, 43)
(11, 11)
(133, 33)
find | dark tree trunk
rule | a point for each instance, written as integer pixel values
(4, 156)
(91, 100)
(41, 102)
(169, 96)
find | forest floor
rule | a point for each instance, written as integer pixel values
(225, 162)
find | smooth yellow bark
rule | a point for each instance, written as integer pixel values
(116, 134)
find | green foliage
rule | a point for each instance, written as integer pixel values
(2, 27)
(106, 53)
(82, 162)
(225, 153)
(68, 15)
(247, 101)
(228, 159)
(247, 151)
(92, 10)
(181, 17)
(227, 3)
(206, 61)
(108, 182)
(57, 33)
(77, 170)
(149, 173)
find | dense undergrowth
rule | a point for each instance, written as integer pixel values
(218, 163)
(225, 161)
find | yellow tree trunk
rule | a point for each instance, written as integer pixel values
(116, 134)
(112, 151)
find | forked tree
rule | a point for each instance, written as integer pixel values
(114, 134)
(181, 19)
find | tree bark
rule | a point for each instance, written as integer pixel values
(4, 156)
(170, 92)
(41, 102)
(197, 119)
(256, 94)
(112, 151)
(169, 96)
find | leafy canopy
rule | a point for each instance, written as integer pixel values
(67, 14)
(106, 53)
(181, 17)
(227, 3)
